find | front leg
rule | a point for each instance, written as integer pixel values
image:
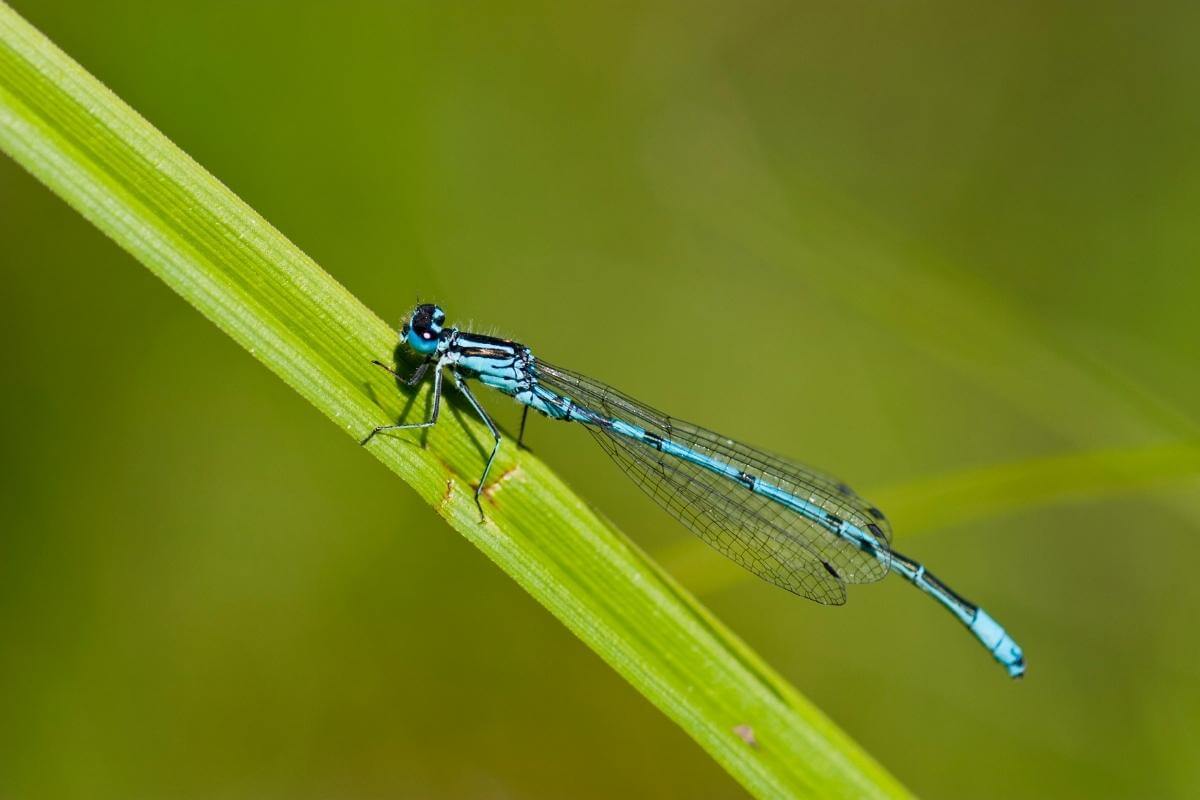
(437, 402)
(461, 384)
(411, 380)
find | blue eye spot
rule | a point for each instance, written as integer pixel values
(424, 342)
(423, 328)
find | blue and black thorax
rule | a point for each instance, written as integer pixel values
(502, 364)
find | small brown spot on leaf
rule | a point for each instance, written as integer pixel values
(490, 490)
(746, 734)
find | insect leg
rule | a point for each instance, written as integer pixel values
(461, 384)
(521, 435)
(437, 404)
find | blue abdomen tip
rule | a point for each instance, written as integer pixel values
(997, 640)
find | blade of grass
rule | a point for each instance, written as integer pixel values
(998, 489)
(960, 497)
(120, 173)
(868, 266)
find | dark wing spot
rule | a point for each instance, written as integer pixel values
(877, 531)
(846, 490)
(875, 512)
(829, 568)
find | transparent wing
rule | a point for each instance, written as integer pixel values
(691, 495)
(764, 536)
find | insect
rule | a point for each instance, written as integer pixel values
(798, 528)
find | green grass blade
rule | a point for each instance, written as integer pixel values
(1000, 489)
(961, 497)
(126, 178)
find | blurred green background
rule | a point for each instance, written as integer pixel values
(914, 242)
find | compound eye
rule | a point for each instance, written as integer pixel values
(423, 328)
(423, 341)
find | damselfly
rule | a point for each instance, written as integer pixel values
(787, 523)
